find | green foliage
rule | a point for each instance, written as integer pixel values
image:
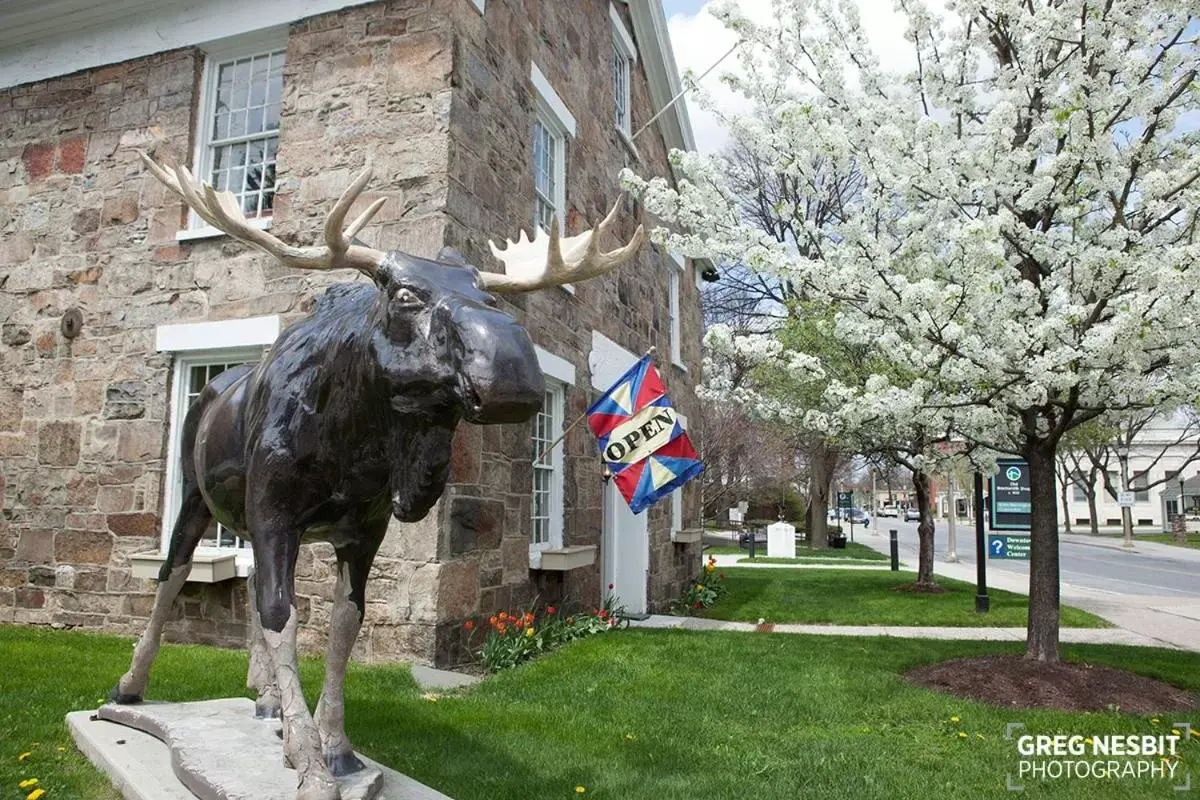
(703, 593)
(514, 638)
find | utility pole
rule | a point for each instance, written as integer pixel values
(952, 535)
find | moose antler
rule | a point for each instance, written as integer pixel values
(552, 260)
(223, 212)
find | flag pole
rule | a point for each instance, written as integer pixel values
(578, 420)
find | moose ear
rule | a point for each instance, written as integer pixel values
(448, 255)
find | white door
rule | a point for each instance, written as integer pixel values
(625, 551)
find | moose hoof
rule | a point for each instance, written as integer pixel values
(122, 699)
(343, 763)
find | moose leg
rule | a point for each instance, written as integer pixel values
(354, 564)
(275, 559)
(261, 675)
(194, 518)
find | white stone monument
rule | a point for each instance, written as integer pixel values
(736, 516)
(781, 540)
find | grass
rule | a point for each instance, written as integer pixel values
(861, 597)
(1193, 541)
(634, 714)
(854, 551)
(839, 562)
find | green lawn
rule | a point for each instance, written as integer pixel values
(861, 597)
(840, 562)
(853, 551)
(1193, 540)
(630, 714)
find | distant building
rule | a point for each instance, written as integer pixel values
(1156, 453)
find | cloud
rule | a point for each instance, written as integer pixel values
(700, 39)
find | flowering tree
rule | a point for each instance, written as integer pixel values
(1024, 236)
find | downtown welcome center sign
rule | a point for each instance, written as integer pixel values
(641, 439)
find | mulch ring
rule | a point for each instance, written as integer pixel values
(1014, 682)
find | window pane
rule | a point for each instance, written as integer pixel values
(546, 426)
(248, 96)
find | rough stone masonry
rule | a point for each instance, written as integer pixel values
(439, 97)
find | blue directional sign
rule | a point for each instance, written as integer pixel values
(1008, 545)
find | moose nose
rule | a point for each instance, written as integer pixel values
(500, 380)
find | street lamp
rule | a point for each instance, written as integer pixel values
(1126, 513)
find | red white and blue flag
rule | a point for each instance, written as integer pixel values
(641, 439)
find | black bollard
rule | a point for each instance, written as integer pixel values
(982, 601)
(752, 537)
(895, 550)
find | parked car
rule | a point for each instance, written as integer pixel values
(912, 515)
(888, 511)
(858, 517)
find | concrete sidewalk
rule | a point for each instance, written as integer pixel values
(1069, 635)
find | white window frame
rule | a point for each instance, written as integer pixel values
(194, 344)
(624, 54)
(675, 268)
(216, 54)
(559, 374)
(554, 115)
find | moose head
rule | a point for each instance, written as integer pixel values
(437, 328)
(348, 417)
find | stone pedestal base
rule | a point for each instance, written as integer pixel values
(211, 750)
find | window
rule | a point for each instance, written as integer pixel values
(1138, 484)
(546, 523)
(675, 266)
(238, 133)
(546, 159)
(1080, 487)
(546, 528)
(623, 55)
(203, 350)
(552, 125)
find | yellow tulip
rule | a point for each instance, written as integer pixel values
(25, 784)
(35, 794)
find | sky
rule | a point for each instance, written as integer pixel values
(699, 39)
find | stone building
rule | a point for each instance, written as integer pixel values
(480, 117)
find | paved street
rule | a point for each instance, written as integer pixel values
(1153, 591)
(1160, 570)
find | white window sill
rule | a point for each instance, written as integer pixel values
(210, 567)
(679, 365)
(687, 536)
(209, 232)
(563, 559)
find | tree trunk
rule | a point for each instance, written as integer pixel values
(924, 531)
(1093, 514)
(1066, 509)
(1042, 639)
(822, 463)
(818, 492)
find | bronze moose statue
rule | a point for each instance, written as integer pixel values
(347, 420)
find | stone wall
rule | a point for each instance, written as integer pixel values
(438, 99)
(490, 196)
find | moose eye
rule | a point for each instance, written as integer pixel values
(407, 297)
